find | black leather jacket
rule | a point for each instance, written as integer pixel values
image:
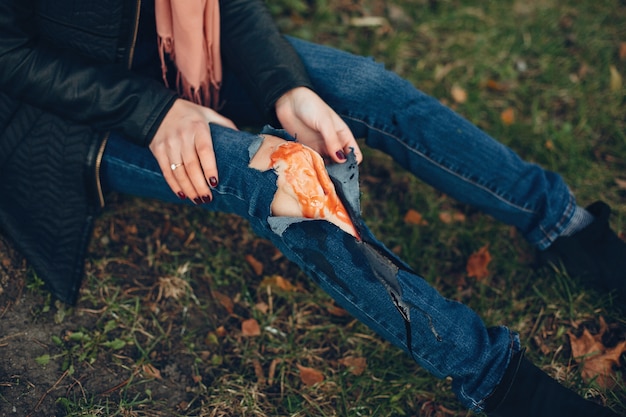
(65, 82)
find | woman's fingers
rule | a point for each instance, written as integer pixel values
(200, 164)
(183, 148)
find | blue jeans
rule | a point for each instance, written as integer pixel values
(445, 337)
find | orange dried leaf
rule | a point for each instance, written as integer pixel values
(310, 376)
(272, 371)
(336, 311)
(414, 217)
(494, 85)
(597, 361)
(250, 328)
(258, 371)
(221, 331)
(262, 307)
(622, 51)
(276, 281)
(508, 116)
(459, 95)
(621, 183)
(357, 365)
(150, 371)
(256, 265)
(477, 263)
(224, 300)
(448, 217)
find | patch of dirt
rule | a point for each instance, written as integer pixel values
(134, 246)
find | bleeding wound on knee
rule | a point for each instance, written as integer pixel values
(303, 186)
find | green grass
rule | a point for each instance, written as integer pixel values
(554, 59)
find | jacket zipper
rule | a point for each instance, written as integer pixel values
(100, 154)
(98, 164)
(133, 44)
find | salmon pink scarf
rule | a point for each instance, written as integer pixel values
(189, 32)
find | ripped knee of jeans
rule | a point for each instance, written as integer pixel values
(304, 188)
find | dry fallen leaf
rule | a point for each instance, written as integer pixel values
(224, 300)
(459, 95)
(310, 376)
(621, 183)
(508, 116)
(357, 365)
(498, 86)
(276, 281)
(150, 371)
(250, 328)
(597, 361)
(172, 287)
(258, 371)
(477, 263)
(256, 265)
(413, 217)
(336, 311)
(272, 371)
(622, 51)
(448, 217)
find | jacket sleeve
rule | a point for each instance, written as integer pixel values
(261, 57)
(63, 82)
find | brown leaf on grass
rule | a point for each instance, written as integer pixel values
(477, 263)
(256, 265)
(172, 287)
(508, 116)
(258, 371)
(310, 376)
(448, 217)
(250, 328)
(497, 86)
(336, 311)
(414, 217)
(262, 306)
(355, 364)
(459, 95)
(622, 51)
(276, 281)
(150, 371)
(224, 300)
(221, 331)
(272, 371)
(621, 183)
(597, 361)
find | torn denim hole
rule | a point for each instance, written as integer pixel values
(383, 264)
(344, 176)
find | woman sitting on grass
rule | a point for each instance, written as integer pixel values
(84, 111)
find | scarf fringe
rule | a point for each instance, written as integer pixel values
(205, 94)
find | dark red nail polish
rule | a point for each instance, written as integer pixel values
(181, 195)
(213, 182)
(206, 199)
(197, 200)
(341, 155)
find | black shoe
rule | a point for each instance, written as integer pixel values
(595, 254)
(527, 391)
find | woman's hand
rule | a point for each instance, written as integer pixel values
(184, 150)
(308, 118)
